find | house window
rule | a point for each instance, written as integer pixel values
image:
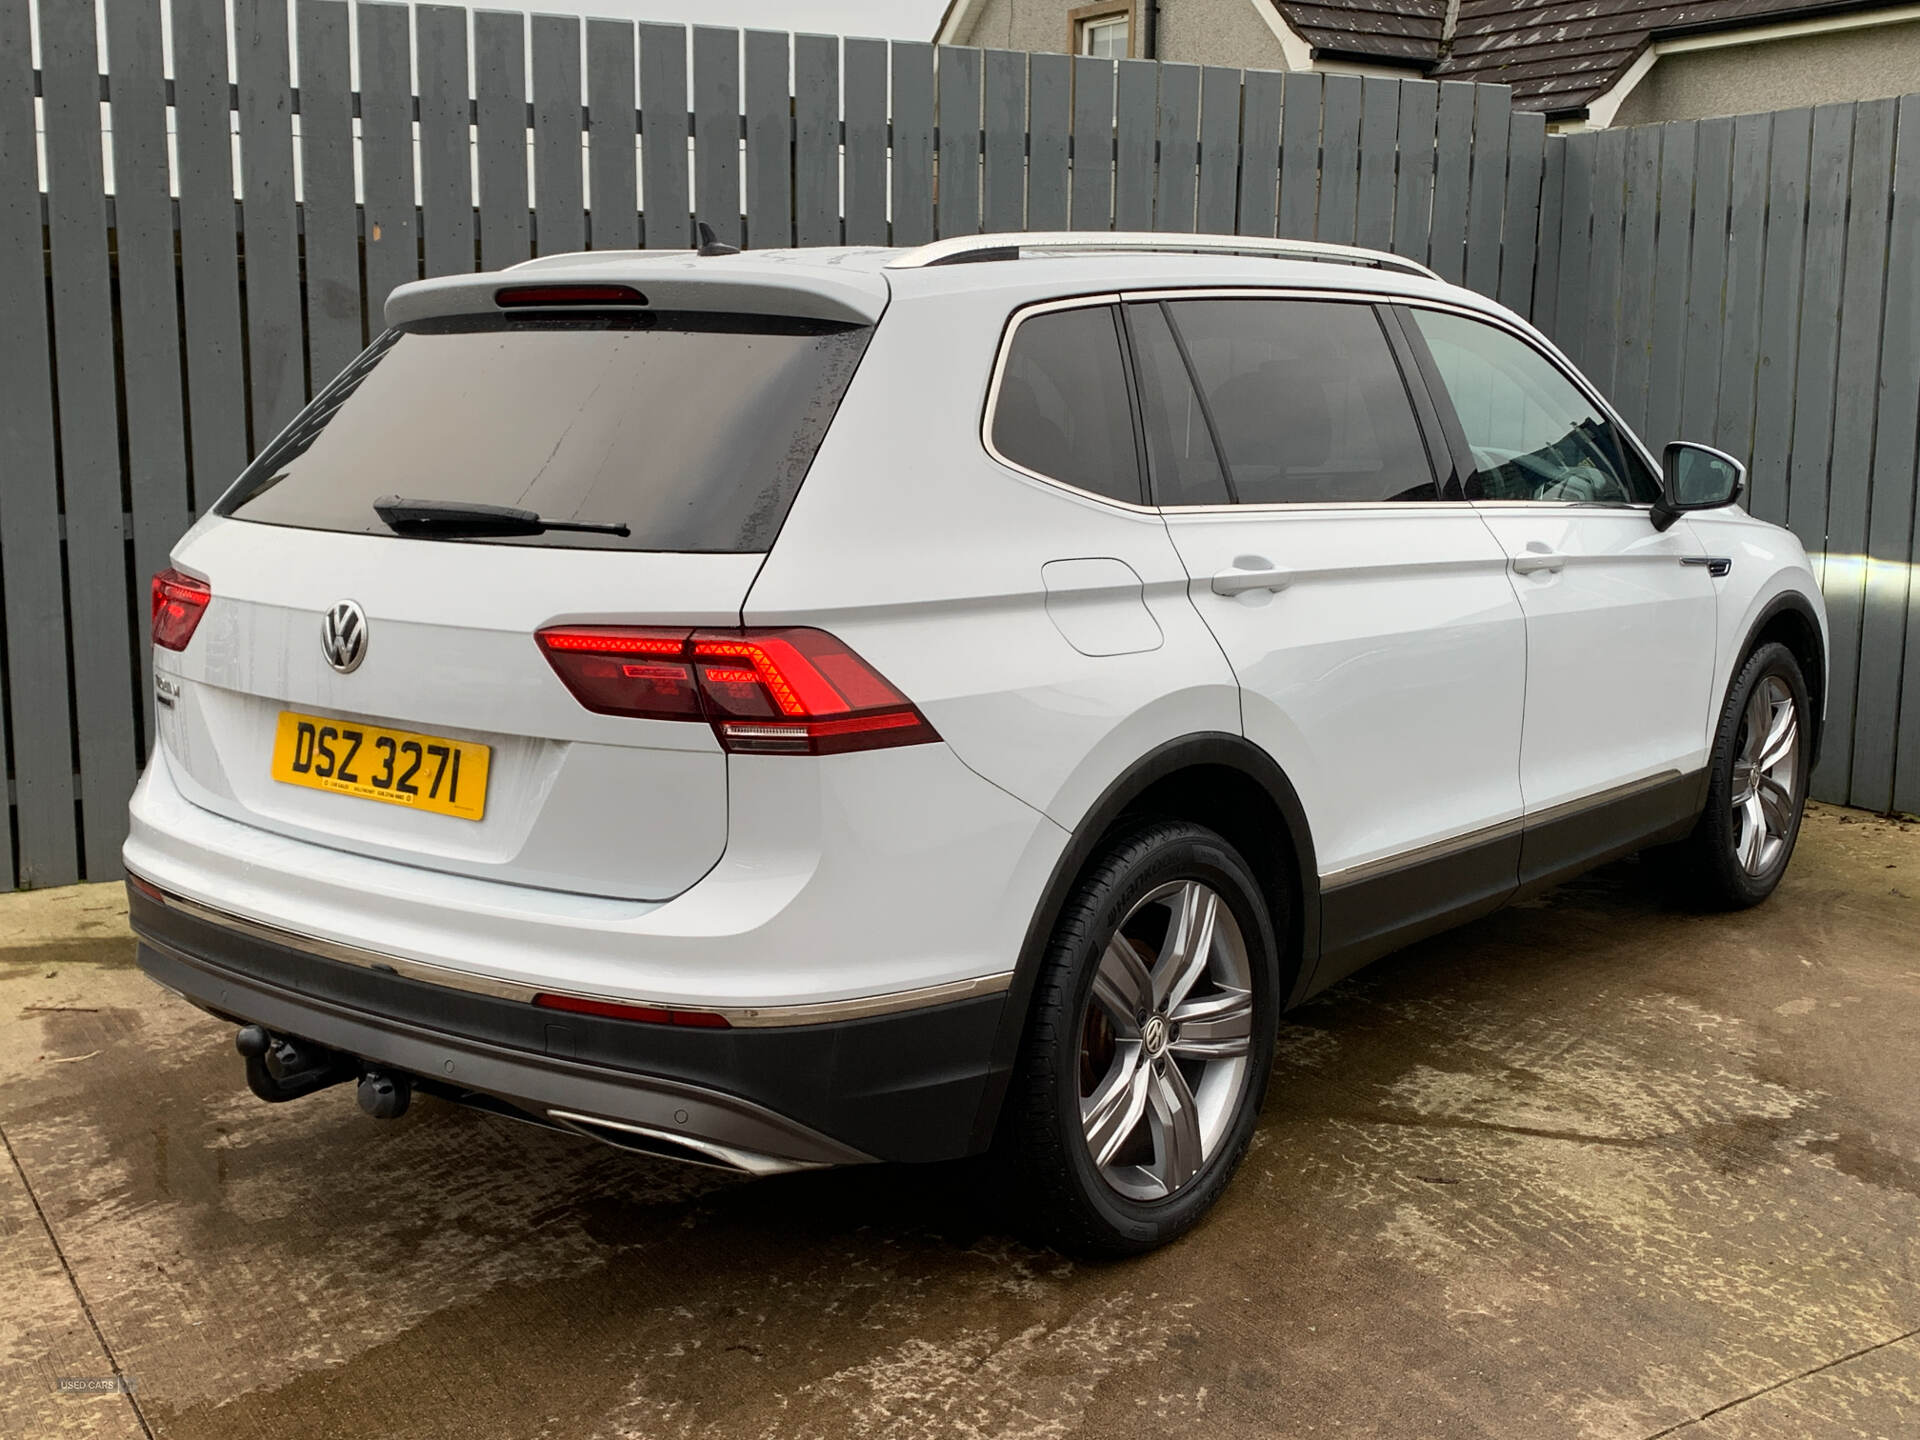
(1103, 35)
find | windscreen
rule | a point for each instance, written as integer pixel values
(693, 431)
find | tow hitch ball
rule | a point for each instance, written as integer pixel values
(280, 1068)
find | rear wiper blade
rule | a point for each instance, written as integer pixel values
(462, 517)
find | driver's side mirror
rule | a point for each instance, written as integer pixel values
(1697, 477)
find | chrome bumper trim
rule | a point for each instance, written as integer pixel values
(823, 1012)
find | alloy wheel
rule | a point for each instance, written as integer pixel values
(1765, 775)
(1165, 1040)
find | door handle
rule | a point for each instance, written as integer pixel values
(1532, 561)
(1251, 572)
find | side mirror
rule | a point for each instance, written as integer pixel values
(1697, 477)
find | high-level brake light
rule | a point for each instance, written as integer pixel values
(765, 692)
(178, 603)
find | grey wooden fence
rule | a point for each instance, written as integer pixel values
(167, 313)
(1755, 283)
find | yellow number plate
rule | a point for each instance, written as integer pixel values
(427, 772)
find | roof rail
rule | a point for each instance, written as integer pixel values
(972, 249)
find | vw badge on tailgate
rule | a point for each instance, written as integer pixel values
(343, 636)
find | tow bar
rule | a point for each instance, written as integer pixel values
(281, 1068)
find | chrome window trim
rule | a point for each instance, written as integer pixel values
(740, 1017)
(1547, 350)
(1233, 292)
(1556, 358)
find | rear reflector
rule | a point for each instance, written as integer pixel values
(765, 692)
(645, 1014)
(178, 603)
(519, 296)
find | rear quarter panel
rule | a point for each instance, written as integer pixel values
(914, 545)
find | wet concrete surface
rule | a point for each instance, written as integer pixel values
(1588, 1168)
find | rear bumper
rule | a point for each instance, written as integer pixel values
(900, 1087)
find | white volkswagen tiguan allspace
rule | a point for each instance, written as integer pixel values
(801, 708)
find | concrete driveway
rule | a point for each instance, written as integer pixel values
(1589, 1168)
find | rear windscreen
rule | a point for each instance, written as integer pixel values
(692, 430)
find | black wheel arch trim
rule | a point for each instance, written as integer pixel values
(1792, 600)
(1217, 749)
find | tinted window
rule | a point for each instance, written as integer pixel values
(694, 431)
(1062, 409)
(1180, 455)
(1534, 435)
(1306, 399)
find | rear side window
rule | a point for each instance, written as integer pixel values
(1062, 409)
(1307, 401)
(692, 430)
(1180, 453)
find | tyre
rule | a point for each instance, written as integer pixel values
(1146, 1055)
(1756, 790)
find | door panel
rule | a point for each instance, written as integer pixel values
(1620, 645)
(1620, 629)
(1385, 673)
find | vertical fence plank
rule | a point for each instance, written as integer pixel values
(866, 159)
(912, 164)
(276, 356)
(1452, 175)
(209, 267)
(1546, 267)
(1136, 99)
(1090, 206)
(1379, 132)
(1903, 309)
(1819, 345)
(1413, 185)
(1634, 352)
(1780, 314)
(1881, 720)
(1707, 276)
(816, 139)
(1178, 180)
(1050, 123)
(769, 142)
(1340, 159)
(1526, 150)
(1844, 575)
(386, 148)
(149, 312)
(1259, 153)
(329, 206)
(39, 725)
(613, 197)
(1300, 108)
(1746, 256)
(97, 599)
(446, 152)
(1218, 186)
(559, 220)
(1609, 223)
(959, 94)
(1004, 200)
(716, 142)
(1487, 188)
(1666, 359)
(663, 138)
(1575, 247)
(1176, 191)
(500, 136)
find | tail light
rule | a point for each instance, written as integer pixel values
(765, 692)
(178, 603)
